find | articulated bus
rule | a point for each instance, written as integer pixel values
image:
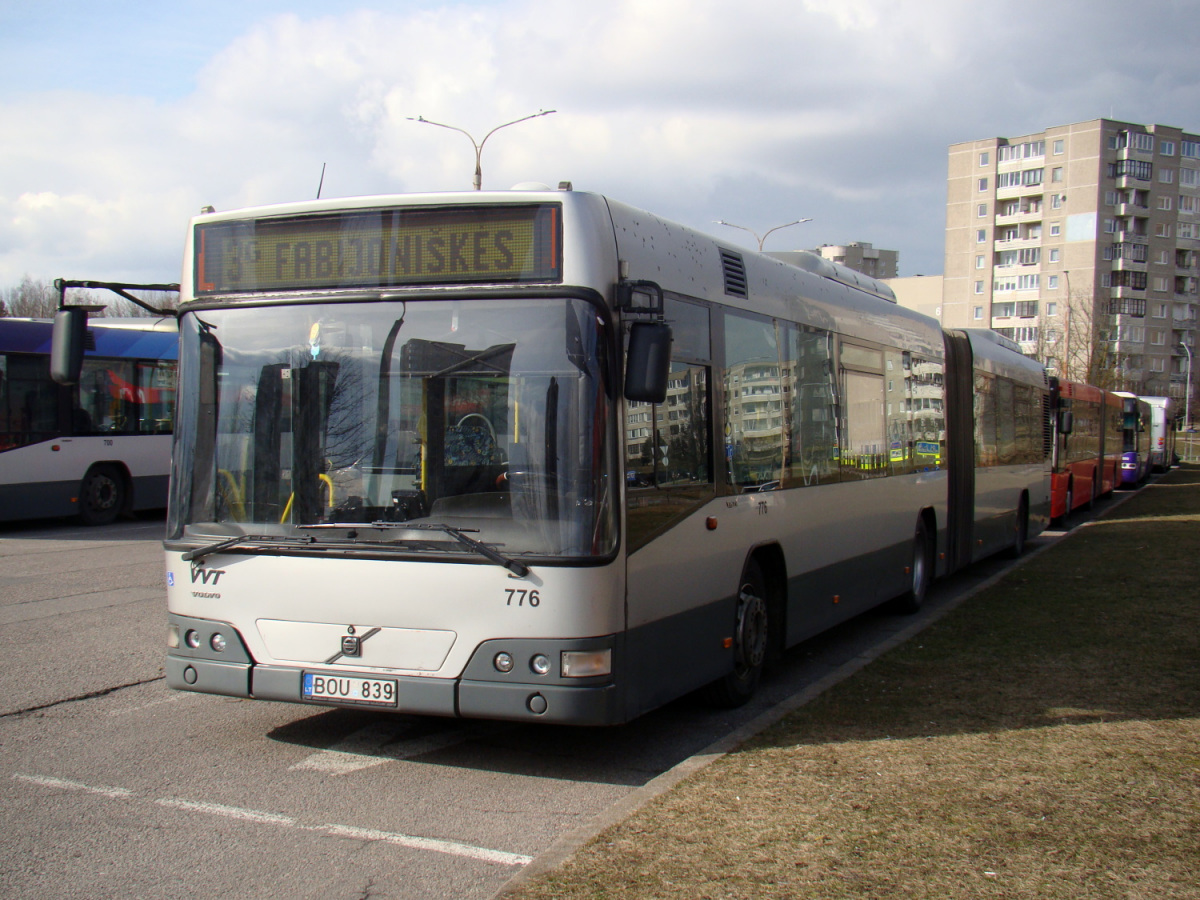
(1088, 445)
(1162, 432)
(540, 456)
(1135, 439)
(100, 447)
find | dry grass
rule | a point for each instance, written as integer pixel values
(1042, 741)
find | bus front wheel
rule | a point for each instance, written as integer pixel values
(101, 495)
(750, 641)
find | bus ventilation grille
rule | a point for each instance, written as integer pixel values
(735, 273)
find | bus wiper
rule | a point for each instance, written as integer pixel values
(479, 547)
(200, 552)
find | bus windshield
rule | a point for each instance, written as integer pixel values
(397, 427)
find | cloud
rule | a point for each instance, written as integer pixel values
(841, 111)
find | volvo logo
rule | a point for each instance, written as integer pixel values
(352, 644)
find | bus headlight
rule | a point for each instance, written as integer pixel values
(586, 663)
(540, 664)
(173, 637)
(192, 638)
(503, 662)
(218, 642)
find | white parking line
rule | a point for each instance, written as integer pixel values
(64, 785)
(382, 742)
(435, 845)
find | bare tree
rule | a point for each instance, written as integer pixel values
(31, 299)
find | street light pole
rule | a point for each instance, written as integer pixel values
(478, 182)
(1187, 398)
(762, 239)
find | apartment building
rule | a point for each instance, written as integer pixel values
(862, 257)
(1080, 242)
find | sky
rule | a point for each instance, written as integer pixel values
(120, 120)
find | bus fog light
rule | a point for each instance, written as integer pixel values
(503, 662)
(586, 663)
(218, 642)
(173, 637)
(540, 664)
(192, 638)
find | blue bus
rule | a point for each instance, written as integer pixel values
(100, 447)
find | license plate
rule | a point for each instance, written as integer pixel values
(348, 689)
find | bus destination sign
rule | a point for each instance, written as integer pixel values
(375, 248)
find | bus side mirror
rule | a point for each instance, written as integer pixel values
(67, 344)
(648, 364)
(1066, 422)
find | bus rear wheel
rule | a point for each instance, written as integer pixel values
(920, 571)
(750, 642)
(101, 495)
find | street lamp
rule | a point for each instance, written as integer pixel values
(1187, 398)
(755, 233)
(478, 183)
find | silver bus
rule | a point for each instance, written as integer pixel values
(540, 456)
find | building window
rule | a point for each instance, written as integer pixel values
(1052, 308)
(979, 264)
(1188, 177)
(1166, 176)
(1056, 174)
(981, 236)
(1190, 149)
(1160, 284)
(981, 212)
(1110, 226)
(979, 287)
(977, 313)
(1051, 284)
(1162, 229)
(1186, 230)
(1160, 310)
(1054, 254)
(1143, 142)
(983, 185)
(1166, 148)
(1055, 229)
(1058, 148)
(1187, 204)
(1131, 168)
(1110, 198)
(1164, 202)
(1028, 282)
(1056, 201)
(984, 158)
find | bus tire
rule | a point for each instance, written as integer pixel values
(750, 642)
(101, 495)
(920, 571)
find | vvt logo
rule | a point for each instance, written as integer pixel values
(206, 576)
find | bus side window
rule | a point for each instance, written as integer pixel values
(810, 391)
(753, 403)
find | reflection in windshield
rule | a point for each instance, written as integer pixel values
(489, 417)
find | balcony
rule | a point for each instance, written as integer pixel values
(1121, 264)
(1126, 306)
(1019, 218)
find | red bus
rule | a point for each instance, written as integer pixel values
(1086, 458)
